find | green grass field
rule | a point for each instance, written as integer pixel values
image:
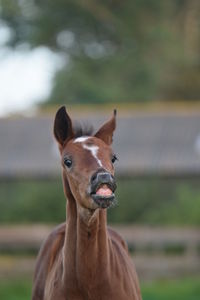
(179, 289)
(186, 289)
(15, 289)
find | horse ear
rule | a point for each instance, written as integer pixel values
(62, 126)
(105, 133)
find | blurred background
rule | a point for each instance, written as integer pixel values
(141, 57)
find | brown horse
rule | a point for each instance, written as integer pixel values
(83, 259)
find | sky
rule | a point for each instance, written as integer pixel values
(25, 76)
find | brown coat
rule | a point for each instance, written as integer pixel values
(82, 259)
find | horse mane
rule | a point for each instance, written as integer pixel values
(82, 129)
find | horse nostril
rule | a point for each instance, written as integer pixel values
(104, 177)
(93, 178)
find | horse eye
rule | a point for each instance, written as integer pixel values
(68, 162)
(114, 158)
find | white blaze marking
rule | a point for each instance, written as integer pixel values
(94, 150)
(81, 139)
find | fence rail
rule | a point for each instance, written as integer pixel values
(157, 252)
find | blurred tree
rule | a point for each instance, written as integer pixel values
(114, 50)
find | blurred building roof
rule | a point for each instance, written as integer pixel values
(146, 144)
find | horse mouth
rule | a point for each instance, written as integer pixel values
(104, 195)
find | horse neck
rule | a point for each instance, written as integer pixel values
(82, 222)
(86, 247)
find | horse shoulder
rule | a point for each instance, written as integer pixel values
(46, 258)
(125, 262)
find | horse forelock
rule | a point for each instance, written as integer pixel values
(82, 129)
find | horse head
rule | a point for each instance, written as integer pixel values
(87, 162)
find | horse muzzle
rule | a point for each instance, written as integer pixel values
(103, 187)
